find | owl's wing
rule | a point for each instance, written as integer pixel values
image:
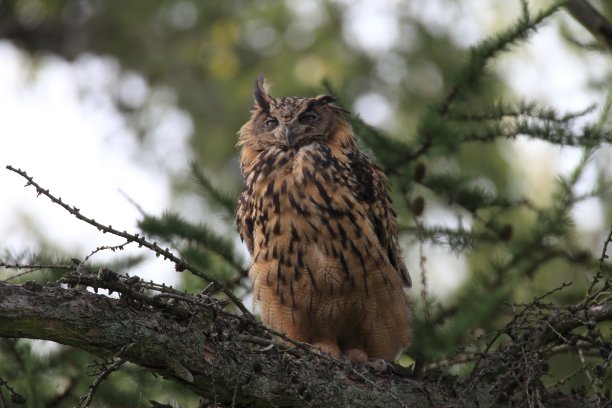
(245, 221)
(373, 193)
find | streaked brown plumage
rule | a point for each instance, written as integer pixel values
(318, 221)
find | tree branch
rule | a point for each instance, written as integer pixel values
(212, 353)
(232, 359)
(86, 399)
(179, 263)
(592, 20)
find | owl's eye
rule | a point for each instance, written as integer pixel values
(307, 117)
(271, 122)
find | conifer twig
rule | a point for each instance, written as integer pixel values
(602, 258)
(172, 225)
(224, 201)
(107, 370)
(32, 268)
(470, 76)
(15, 396)
(165, 253)
(113, 248)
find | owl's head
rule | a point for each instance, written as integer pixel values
(292, 121)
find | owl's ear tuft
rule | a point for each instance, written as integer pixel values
(262, 99)
(324, 100)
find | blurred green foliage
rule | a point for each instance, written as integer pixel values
(208, 54)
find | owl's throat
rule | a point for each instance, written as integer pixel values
(295, 143)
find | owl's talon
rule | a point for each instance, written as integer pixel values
(356, 356)
(378, 365)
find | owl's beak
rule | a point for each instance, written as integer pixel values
(290, 136)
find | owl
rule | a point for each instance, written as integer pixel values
(318, 222)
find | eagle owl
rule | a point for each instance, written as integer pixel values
(318, 222)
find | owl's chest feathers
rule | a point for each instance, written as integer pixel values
(292, 195)
(295, 181)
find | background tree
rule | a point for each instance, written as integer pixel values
(448, 148)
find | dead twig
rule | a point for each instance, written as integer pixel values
(137, 238)
(86, 399)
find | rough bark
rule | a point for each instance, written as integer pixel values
(233, 360)
(214, 354)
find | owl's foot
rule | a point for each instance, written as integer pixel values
(377, 365)
(328, 347)
(356, 356)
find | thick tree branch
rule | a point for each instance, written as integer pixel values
(233, 360)
(214, 354)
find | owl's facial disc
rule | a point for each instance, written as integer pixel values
(298, 131)
(295, 122)
(292, 121)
